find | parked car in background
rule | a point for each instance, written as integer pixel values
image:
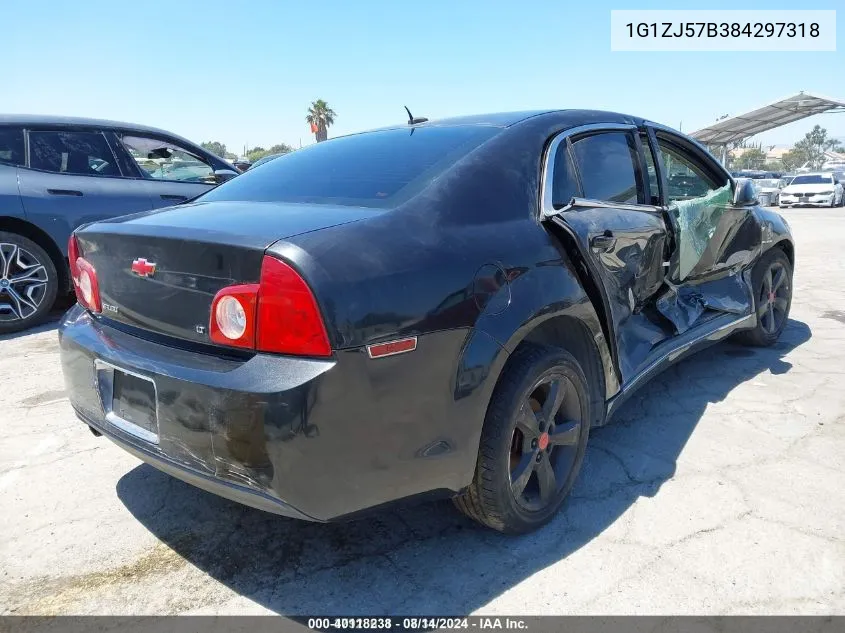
(242, 164)
(755, 174)
(768, 191)
(813, 189)
(440, 309)
(57, 173)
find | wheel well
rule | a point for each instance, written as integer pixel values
(787, 247)
(574, 336)
(32, 232)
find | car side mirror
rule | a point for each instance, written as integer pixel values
(222, 175)
(745, 194)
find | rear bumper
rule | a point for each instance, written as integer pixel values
(767, 199)
(215, 485)
(311, 439)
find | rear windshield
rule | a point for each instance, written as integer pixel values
(376, 169)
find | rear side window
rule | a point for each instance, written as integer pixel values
(606, 163)
(565, 182)
(379, 169)
(71, 152)
(11, 146)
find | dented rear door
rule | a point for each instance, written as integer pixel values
(598, 196)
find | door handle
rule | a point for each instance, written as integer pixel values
(603, 242)
(64, 192)
(173, 196)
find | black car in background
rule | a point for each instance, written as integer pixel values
(435, 309)
(57, 173)
(755, 174)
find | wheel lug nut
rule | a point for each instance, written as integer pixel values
(539, 456)
(533, 443)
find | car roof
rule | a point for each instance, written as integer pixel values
(46, 119)
(493, 119)
(567, 118)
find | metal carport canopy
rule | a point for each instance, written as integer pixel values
(768, 117)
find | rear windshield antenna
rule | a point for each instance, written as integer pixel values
(412, 120)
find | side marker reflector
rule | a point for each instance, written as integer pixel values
(380, 350)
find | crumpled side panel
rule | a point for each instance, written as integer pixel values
(684, 305)
(697, 220)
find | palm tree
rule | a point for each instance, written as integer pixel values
(320, 116)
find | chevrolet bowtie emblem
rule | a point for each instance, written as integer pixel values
(143, 268)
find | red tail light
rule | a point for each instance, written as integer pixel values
(73, 255)
(84, 278)
(233, 316)
(279, 314)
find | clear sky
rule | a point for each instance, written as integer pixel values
(245, 72)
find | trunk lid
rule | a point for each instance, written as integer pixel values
(192, 252)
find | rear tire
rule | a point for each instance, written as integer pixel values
(533, 442)
(772, 283)
(28, 283)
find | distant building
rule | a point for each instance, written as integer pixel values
(776, 152)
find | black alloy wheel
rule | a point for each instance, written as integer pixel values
(532, 442)
(772, 283)
(545, 441)
(773, 298)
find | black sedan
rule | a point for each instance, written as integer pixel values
(436, 309)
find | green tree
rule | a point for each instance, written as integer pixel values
(281, 148)
(215, 147)
(793, 159)
(813, 146)
(255, 153)
(321, 117)
(752, 158)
